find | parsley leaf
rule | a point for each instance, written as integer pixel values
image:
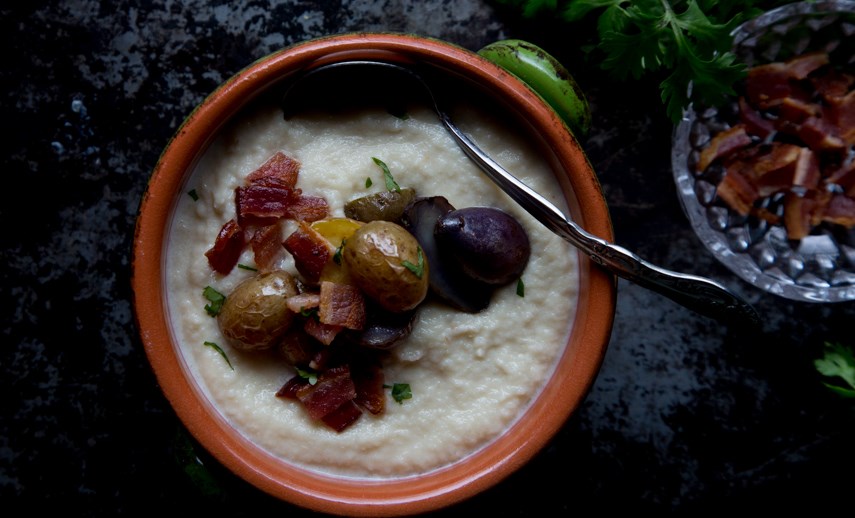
(193, 194)
(838, 363)
(400, 392)
(417, 269)
(337, 255)
(308, 375)
(520, 287)
(216, 300)
(220, 350)
(391, 184)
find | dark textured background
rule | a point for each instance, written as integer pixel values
(686, 415)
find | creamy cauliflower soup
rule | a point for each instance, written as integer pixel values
(470, 374)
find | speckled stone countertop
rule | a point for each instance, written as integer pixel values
(686, 415)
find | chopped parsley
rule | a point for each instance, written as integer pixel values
(520, 287)
(391, 184)
(220, 350)
(309, 312)
(337, 255)
(417, 269)
(216, 300)
(368, 182)
(247, 267)
(192, 193)
(310, 376)
(400, 392)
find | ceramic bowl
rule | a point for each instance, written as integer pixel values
(561, 394)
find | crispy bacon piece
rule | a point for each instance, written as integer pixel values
(737, 191)
(369, 381)
(798, 215)
(303, 301)
(753, 120)
(266, 244)
(723, 144)
(334, 388)
(311, 251)
(844, 177)
(819, 135)
(342, 305)
(291, 387)
(307, 208)
(224, 255)
(279, 170)
(343, 416)
(841, 114)
(262, 204)
(840, 210)
(324, 333)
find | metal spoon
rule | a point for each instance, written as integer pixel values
(699, 294)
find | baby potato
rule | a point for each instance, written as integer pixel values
(387, 264)
(255, 314)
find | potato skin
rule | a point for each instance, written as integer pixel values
(255, 315)
(375, 254)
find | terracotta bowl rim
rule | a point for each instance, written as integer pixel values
(561, 397)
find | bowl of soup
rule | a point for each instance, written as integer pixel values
(337, 302)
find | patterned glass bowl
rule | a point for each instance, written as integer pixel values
(821, 266)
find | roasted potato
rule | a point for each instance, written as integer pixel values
(255, 314)
(388, 265)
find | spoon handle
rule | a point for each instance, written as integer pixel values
(696, 293)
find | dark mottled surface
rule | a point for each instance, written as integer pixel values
(685, 415)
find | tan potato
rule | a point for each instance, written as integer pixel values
(377, 255)
(255, 315)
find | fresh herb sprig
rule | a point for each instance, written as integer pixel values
(687, 41)
(838, 365)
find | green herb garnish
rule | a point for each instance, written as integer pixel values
(216, 300)
(247, 267)
(192, 193)
(220, 350)
(838, 363)
(520, 287)
(368, 182)
(310, 376)
(417, 269)
(309, 312)
(337, 255)
(391, 184)
(400, 392)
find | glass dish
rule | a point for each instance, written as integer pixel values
(817, 268)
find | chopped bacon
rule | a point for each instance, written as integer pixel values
(224, 255)
(266, 244)
(369, 381)
(291, 387)
(753, 120)
(333, 388)
(311, 251)
(324, 333)
(844, 177)
(840, 210)
(303, 301)
(279, 170)
(722, 144)
(262, 204)
(737, 191)
(342, 305)
(819, 135)
(343, 416)
(307, 208)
